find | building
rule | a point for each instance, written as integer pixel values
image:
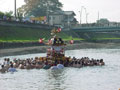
(64, 19)
(106, 22)
(103, 22)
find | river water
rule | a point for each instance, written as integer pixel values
(87, 78)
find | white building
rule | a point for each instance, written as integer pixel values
(62, 18)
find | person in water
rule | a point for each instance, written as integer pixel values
(39, 63)
(2, 70)
(54, 67)
(12, 69)
(60, 66)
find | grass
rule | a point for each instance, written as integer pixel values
(22, 34)
(76, 39)
(18, 40)
(65, 39)
(106, 38)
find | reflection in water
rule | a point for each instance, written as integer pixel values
(86, 78)
(56, 79)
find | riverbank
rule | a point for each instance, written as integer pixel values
(42, 49)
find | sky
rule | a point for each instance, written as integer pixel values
(109, 9)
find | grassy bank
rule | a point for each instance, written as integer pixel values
(91, 36)
(18, 34)
(23, 34)
(28, 34)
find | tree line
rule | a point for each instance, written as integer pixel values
(7, 14)
(35, 8)
(40, 7)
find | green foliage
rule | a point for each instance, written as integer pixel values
(76, 39)
(20, 13)
(1, 14)
(41, 7)
(106, 38)
(8, 14)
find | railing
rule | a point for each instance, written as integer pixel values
(4, 45)
(97, 29)
(24, 24)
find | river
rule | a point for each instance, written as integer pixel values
(87, 78)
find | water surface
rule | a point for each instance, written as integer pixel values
(87, 78)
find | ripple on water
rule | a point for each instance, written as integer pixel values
(87, 78)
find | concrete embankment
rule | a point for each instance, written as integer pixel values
(7, 45)
(42, 49)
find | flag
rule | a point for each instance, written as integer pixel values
(40, 40)
(59, 29)
(71, 41)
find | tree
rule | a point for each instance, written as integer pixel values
(1, 15)
(41, 7)
(9, 14)
(20, 13)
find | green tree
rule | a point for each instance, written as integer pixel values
(20, 13)
(1, 15)
(41, 7)
(9, 14)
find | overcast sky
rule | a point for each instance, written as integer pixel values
(109, 9)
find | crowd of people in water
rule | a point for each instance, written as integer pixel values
(36, 63)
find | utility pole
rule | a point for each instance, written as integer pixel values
(81, 14)
(48, 13)
(87, 18)
(86, 14)
(98, 18)
(48, 9)
(68, 22)
(15, 7)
